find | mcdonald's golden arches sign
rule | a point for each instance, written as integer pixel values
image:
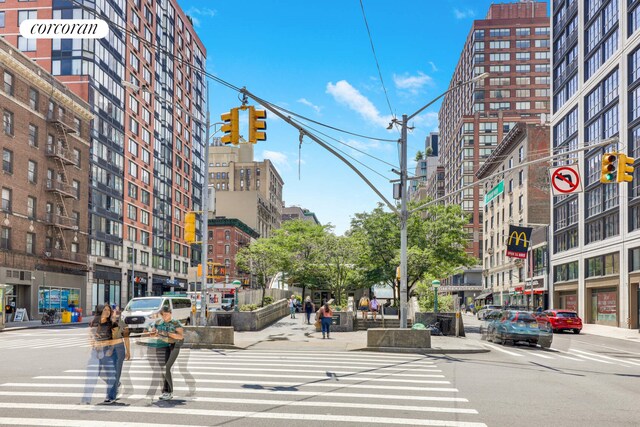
(518, 241)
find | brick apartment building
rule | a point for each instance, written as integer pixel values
(525, 200)
(226, 237)
(512, 45)
(147, 139)
(44, 183)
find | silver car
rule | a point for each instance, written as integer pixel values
(484, 310)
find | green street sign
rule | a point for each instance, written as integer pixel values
(494, 192)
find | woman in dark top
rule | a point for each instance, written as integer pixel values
(101, 338)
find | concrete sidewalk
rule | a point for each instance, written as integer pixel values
(611, 332)
(296, 335)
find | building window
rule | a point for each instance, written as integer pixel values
(132, 212)
(1, 19)
(5, 238)
(76, 188)
(7, 122)
(7, 161)
(31, 207)
(603, 265)
(32, 172)
(33, 135)
(31, 243)
(8, 83)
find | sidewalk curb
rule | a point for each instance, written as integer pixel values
(59, 325)
(424, 350)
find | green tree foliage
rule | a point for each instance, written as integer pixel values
(339, 254)
(426, 298)
(419, 156)
(436, 242)
(264, 259)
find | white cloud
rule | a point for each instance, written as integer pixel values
(346, 94)
(308, 103)
(411, 83)
(278, 158)
(200, 11)
(428, 122)
(462, 14)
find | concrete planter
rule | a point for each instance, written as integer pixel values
(342, 321)
(208, 337)
(384, 339)
(251, 320)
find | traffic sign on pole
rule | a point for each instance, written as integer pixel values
(566, 180)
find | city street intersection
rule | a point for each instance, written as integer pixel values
(510, 385)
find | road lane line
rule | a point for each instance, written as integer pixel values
(537, 354)
(323, 404)
(77, 423)
(593, 359)
(606, 357)
(243, 414)
(270, 392)
(324, 383)
(327, 375)
(575, 359)
(502, 350)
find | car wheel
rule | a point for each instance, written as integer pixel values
(576, 331)
(496, 339)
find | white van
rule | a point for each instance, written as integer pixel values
(141, 312)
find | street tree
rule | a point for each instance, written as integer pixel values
(338, 260)
(436, 243)
(263, 259)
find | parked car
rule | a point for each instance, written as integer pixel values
(484, 310)
(490, 317)
(228, 304)
(139, 313)
(561, 320)
(519, 326)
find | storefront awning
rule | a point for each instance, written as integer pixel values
(483, 295)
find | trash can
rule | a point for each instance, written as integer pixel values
(66, 317)
(224, 319)
(74, 316)
(446, 324)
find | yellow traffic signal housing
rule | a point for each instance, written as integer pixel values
(625, 170)
(231, 127)
(190, 227)
(257, 125)
(608, 173)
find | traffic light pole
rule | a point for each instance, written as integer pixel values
(205, 222)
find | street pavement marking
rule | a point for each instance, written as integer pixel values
(495, 347)
(590, 358)
(361, 355)
(309, 363)
(328, 375)
(575, 359)
(337, 360)
(276, 383)
(304, 403)
(537, 354)
(77, 423)
(607, 357)
(44, 343)
(243, 414)
(270, 392)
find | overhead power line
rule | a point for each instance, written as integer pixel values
(211, 76)
(375, 57)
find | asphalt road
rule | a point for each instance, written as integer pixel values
(582, 380)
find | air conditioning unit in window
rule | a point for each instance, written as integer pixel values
(490, 251)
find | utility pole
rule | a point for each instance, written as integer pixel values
(205, 222)
(403, 223)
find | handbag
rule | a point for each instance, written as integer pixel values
(317, 324)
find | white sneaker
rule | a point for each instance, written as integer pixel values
(166, 396)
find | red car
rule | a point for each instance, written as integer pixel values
(561, 320)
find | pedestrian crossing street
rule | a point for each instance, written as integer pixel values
(249, 387)
(45, 338)
(576, 356)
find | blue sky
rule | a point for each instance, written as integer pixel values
(315, 58)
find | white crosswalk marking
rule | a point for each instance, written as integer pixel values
(253, 386)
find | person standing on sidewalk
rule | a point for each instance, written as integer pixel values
(308, 309)
(292, 306)
(363, 306)
(8, 311)
(167, 335)
(374, 305)
(324, 315)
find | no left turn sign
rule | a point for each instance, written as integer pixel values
(565, 180)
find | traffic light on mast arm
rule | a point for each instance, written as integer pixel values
(190, 227)
(625, 170)
(608, 173)
(257, 125)
(231, 127)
